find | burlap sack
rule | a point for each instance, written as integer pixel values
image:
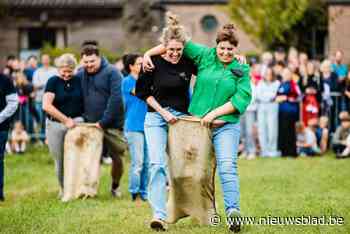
(82, 153)
(192, 171)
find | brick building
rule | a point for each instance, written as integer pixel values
(66, 23)
(338, 27)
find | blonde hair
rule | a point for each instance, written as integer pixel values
(173, 30)
(267, 57)
(66, 60)
(21, 79)
(326, 65)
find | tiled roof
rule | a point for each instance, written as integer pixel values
(332, 2)
(194, 1)
(63, 3)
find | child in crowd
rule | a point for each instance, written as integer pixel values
(19, 138)
(322, 134)
(341, 141)
(306, 141)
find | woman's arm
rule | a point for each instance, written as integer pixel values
(170, 118)
(147, 61)
(225, 109)
(54, 112)
(144, 91)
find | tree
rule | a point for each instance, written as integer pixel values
(138, 19)
(3, 8)
(267, 20)
(309, 33)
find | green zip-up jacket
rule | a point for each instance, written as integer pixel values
(216, 85)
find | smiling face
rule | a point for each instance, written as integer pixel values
(225, 51)
(66, 72)
(174, 50)
(91, 63)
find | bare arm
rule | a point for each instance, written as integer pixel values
(324, 140)
(49, 108)
(170, 118)
(147, 61)
(225, 109)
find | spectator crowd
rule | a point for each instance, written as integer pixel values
(300, 106)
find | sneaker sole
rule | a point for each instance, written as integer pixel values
(157, 226)
(236, 226)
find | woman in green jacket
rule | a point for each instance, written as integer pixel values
(222, 93)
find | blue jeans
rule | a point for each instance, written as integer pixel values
(3, 139)
(249, 119)
(226, 140)
(268, 129)
(138, 172)
(156, 131)
(42, 115)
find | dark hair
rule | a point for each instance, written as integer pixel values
(280, 49)
(227, 33)
(128, 60)
(11, 57)
(89, 47)
(32, 57)
(281, 63)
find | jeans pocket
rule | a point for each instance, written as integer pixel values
(154, 119)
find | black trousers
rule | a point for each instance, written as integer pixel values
(338, 148)
(287, 134)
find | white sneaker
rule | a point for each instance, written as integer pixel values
(251, 156)
(107, 160)
(116, 193)
(346, 152)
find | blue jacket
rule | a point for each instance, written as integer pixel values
(102, 96)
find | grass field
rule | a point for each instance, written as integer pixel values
(269, 187)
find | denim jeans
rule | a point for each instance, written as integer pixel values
(156, 131)
(42, 124)
(138, 172)
(249, 119)
(226, 140)
(268, 129)
(3, 139)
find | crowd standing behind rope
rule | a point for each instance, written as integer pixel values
(321, 90)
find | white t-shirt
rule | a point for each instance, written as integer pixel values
(40, 78)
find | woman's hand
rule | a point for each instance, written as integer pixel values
(208, 119)
(147, 63)
(241, 58)
(69, 123)
(347, 93)
(281, 98)
(170, 118)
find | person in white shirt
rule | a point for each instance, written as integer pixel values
(40, 78)
(266, 92)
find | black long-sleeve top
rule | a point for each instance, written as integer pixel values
(168, 83)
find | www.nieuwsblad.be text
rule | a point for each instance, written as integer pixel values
(275, 220)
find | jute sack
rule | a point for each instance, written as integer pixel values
(82, 153)
(191, 170)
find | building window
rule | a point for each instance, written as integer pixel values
(38, 37)
(209, 23)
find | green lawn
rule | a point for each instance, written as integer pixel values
(275, 187)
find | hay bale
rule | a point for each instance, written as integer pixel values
(192, 171)
(82, 153)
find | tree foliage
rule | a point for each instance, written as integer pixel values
(3, 8)
(267, 20)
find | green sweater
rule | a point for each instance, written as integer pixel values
(216, 85)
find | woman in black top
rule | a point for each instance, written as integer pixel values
(63, 104)
(166, 91)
